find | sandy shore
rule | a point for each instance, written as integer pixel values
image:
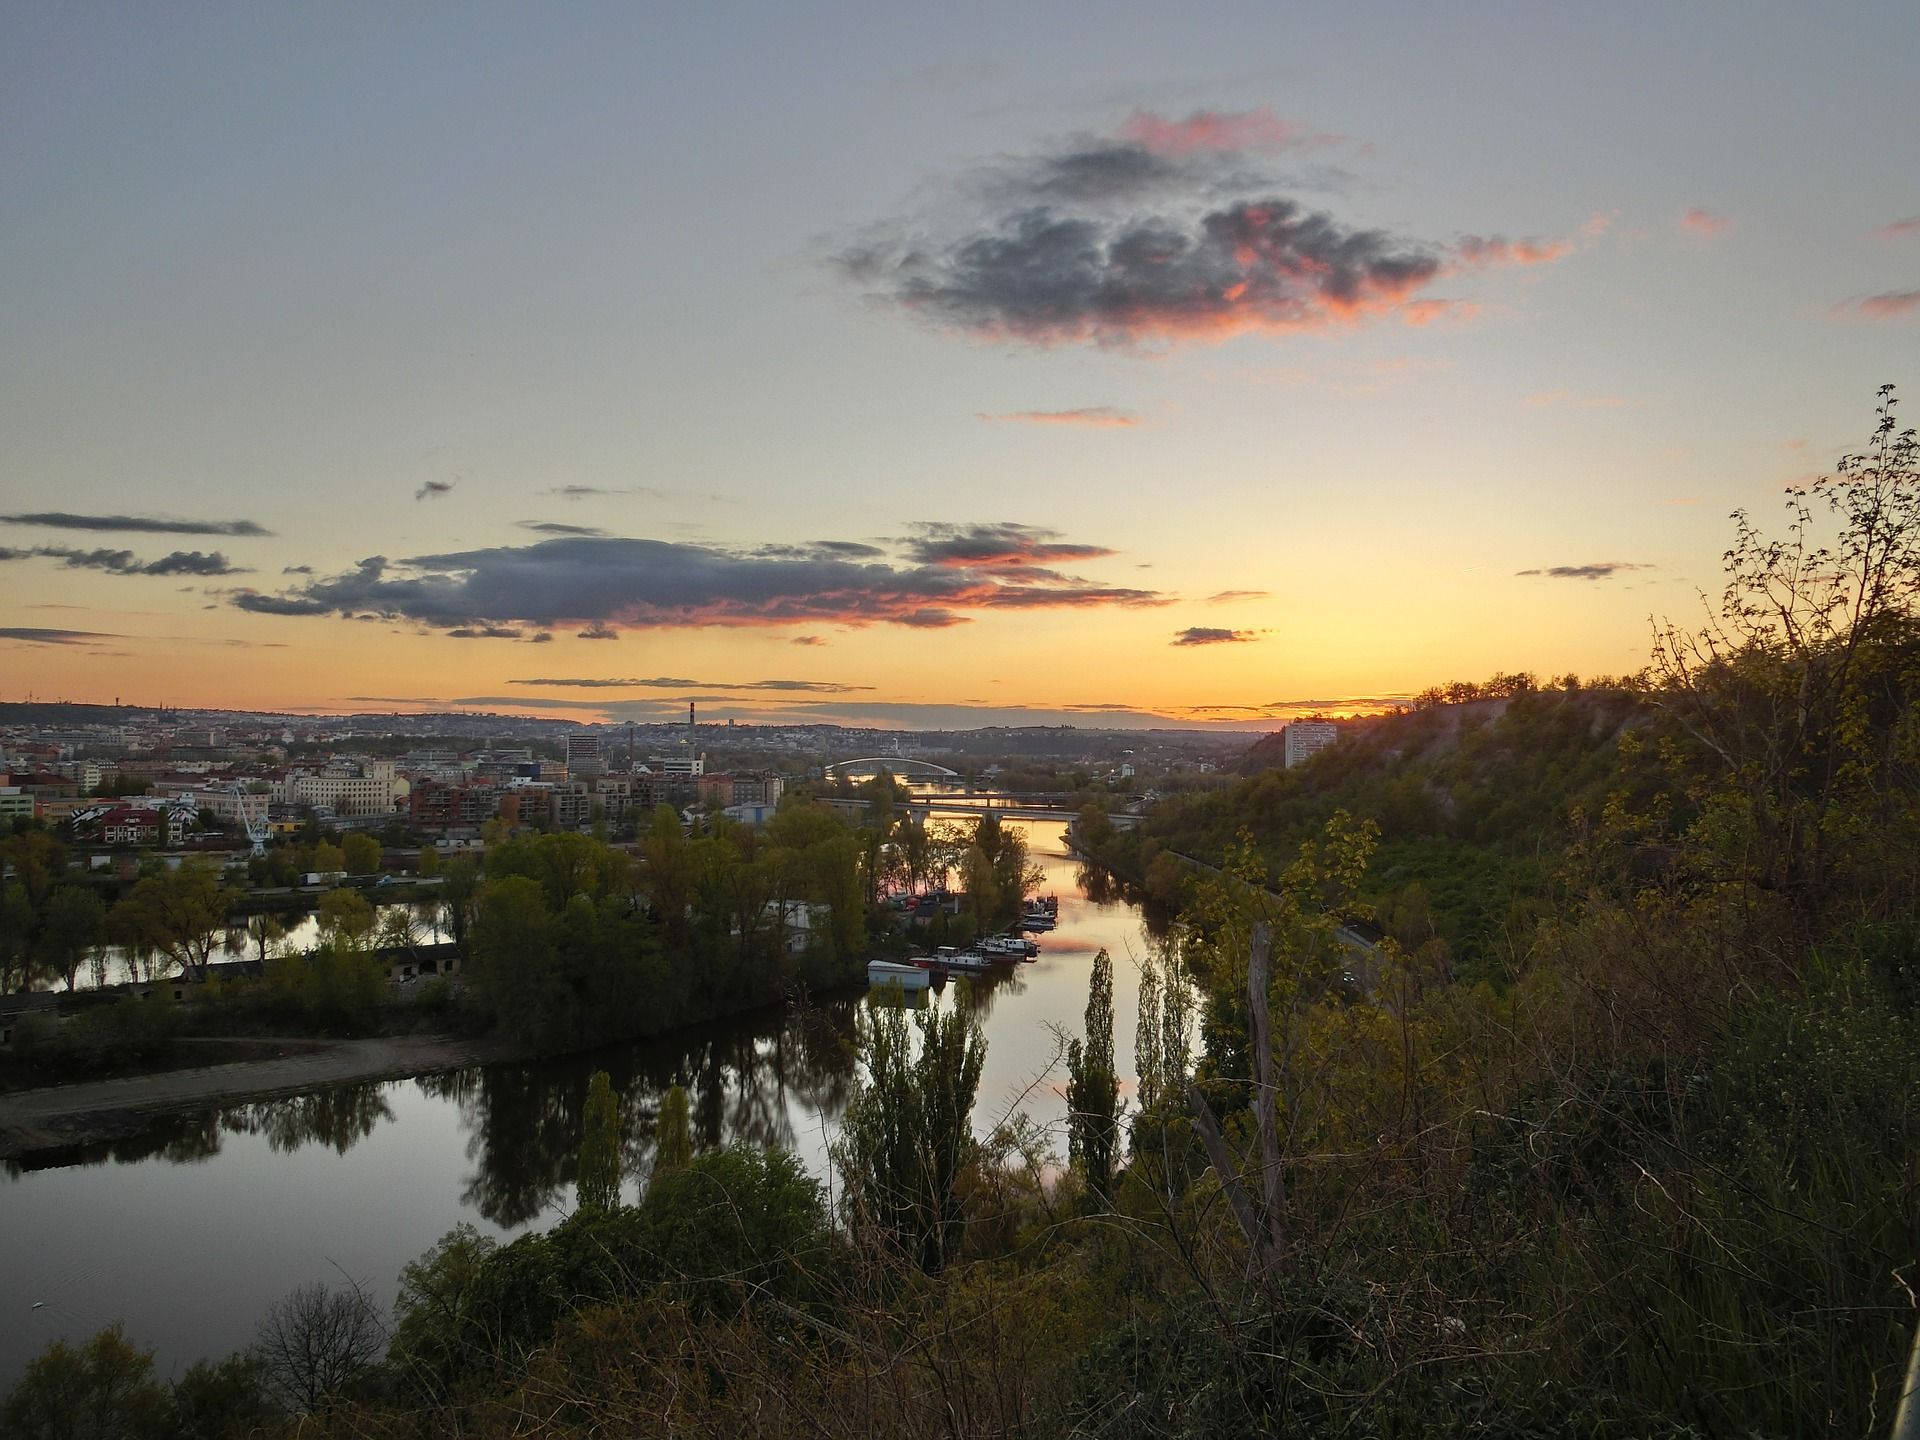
(64, 1115)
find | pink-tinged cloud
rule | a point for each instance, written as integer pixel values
(1704, 223)
(1478, 251)
(1888, 305)
(1211, 130)
(943, 576)
(1099, 417)
(1901, 229)
(1169, 234)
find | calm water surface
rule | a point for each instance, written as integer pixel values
(190, 1232)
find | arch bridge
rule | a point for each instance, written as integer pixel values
(898, 766)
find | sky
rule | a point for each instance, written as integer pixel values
(919, 366)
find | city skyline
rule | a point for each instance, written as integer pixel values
(823, 368)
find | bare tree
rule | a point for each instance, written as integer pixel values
(316, 1342)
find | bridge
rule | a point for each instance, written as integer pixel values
(896, 765)
(1006, 809)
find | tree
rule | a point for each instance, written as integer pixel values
(326, 858)
(361, 854)
(102, 1390)
(1093, 1089)
(179, 913)
(75, 924)
(264, 931)
(215, 1400)
(345, 918)
(599, 1172)
(1799, 695)
(673, 1137)
(315, 1343)
(908, 1135)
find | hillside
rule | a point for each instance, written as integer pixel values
(1475, 804)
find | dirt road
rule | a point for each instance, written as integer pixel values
(64, 1115)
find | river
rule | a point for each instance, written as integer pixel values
(189, 1233)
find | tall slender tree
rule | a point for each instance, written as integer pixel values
(598, 1177)
(1093, 1089)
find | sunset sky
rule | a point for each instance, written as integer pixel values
(919, 365)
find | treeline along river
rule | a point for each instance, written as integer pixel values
(189, 1231)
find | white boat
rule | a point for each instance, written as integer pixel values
(1014, 947)
(957, 962)
(894, 972)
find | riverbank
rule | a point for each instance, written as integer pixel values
(59, 1116)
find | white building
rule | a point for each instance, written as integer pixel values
(352, 786)
(1307, 738)
(15, 803)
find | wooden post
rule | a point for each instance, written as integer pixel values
(1272, 1183)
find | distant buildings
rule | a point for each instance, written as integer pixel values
(584, 757)
(345, 785)
(1307, 738)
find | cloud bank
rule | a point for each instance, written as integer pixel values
(125, 562)
(1173, 231)
(1214, 635)
(941, 575)
(1598, 570)
(134, 524)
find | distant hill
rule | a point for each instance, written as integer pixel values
(1472, 800)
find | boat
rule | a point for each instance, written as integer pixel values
(1037, 920)
(956, 962)
(896, 973)
(1015, 947)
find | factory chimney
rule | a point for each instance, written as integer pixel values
(690, 730)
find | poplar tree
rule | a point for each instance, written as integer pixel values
(599, 1171)
(673, 1139)
(1093, 1089)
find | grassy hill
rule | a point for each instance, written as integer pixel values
(1475, 802)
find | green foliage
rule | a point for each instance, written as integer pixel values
(360, 854)
(598, 1178)
(179, 912)
(737, 1230)
(101, 1390)
(908, 1135)
(1093, 1089)
(673, 1135)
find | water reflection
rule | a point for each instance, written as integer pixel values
(746, 1081)
(749, 1080)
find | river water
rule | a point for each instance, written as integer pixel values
(189, 1233)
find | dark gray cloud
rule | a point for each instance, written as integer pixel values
(125, 562)
(808, 640)
(434, 489)
(555, 527)
(1213, 635)
(1598, 570)
(484, 632)
(135, 524)
(599, 630)
(34, 636)
(1003, 546)
(608, 584)
(1048, 276)
(1174, 231)
(297, 570)
(674, 682)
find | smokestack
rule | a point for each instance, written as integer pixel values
(690, 731)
